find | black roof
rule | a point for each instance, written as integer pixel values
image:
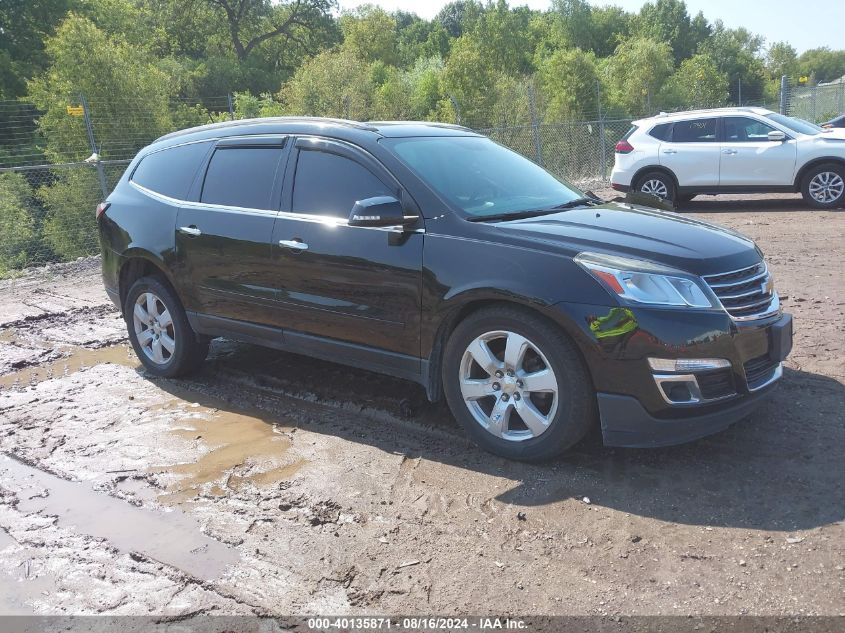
(336, 128)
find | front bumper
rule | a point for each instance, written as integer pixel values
(625, 422)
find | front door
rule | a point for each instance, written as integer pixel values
(692, 153)
(357, 285)
(750, 159)
(223, 237)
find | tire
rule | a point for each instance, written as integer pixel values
(823, 187)
(185, 351)
(657, 183)
(546, 422)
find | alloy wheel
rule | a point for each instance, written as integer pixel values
(826, 187)
(154, 328)
(655, 187)
(508, 385)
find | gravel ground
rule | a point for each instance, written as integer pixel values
(275, 484)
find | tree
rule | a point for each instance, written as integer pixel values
(822, 63)
(127, 93)
(506, 36)
(458, 17)
(252, 22)
(24, 26)
(610, 26)
(573, 23)
(370, 34)
(17, 229)
(696, 84)
(470, 79)
(736, 53)
(668, 21)
(70, 229)
(781, 59)
(636, 73)
(569, 82)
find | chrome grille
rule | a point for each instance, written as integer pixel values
(746, 293)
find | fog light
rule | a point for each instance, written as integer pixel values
(687, 365)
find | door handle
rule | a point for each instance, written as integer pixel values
(729, 151)
(190, 230)
(670, 151)
(297, 245)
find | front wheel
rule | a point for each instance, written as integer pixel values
(517, 384)
(823, 186)
(159, 330)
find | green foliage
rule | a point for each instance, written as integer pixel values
(822, 64)
(370, 34)
(121, 83)
(736, 53)
(636, 73)
(70, 228)
(569, 81)
(781, 59)
(696, 84)
(470, 79)
(668, 21)
(17, 228)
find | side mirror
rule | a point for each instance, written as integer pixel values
(379, 211)
(776, 136)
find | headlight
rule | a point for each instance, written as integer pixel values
(643, 282)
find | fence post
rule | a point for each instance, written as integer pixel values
(784, 105)
(457, 107)
(535, 124)
(602, 148)
(95, 155)
(231, 106)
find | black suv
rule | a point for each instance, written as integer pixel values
(429, 252)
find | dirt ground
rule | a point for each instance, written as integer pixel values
(275, 484)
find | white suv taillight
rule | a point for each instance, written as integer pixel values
(624, 147)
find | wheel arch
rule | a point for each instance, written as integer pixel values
(799, 177)
(461, 310)
(137, 264)
(659, 168)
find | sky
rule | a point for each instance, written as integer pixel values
(816, 23)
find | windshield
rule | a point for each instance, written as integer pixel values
(796, 125)
(481, 177)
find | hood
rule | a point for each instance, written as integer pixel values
(660, 236)
(837, 133)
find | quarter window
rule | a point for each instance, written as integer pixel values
(171, 172)
(241, 177)
(328, 184)
(661, 132)
(746, 130)
(694, 131)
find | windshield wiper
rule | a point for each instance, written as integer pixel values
(521, 215)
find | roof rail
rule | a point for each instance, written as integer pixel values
(222, 125)
(449, 126)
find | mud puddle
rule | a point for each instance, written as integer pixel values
(247, 447)
(72, 360)
(172, 538)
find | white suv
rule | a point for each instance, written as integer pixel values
(731, 150)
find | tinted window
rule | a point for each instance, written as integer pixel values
(241, 177)
(661, 131)
(481, 177)
(328, 184)
(170, 172)
(746, 130)
(630, 131)
(695, 131)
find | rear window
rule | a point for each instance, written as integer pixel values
(170, 172)
(661, 132)
(629, 132)
(694, 131)
(241, 177)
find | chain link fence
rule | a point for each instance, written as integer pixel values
(56, 166)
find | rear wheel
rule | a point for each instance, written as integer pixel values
(159, 330)
(823, 186)
(517, 384)
(657, 183)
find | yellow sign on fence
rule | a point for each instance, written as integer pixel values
(75, 110)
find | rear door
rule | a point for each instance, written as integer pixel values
(223, 236)
(692, 152)
(749, 159)
(354, 284)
